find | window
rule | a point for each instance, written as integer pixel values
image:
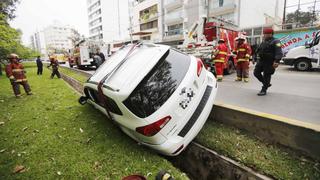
(149, 25)
(146, 38)
(175, 29)
(220, 3)
(159, 84)
(257, 31)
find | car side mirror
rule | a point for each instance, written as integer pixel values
(307, 45)
(83, 100)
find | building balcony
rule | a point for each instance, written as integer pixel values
(148, 18)
(172, 4)
(173, 17)
(225, 9)
(177, 37)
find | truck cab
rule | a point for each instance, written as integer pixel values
(303, 58)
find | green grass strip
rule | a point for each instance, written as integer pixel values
(53, 137)
(274, 161)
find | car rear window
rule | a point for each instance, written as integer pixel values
(159, 84)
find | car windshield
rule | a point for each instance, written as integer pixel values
(159, 84)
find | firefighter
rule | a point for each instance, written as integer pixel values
(219, 57)
(243, 52)
(55, 67)
(269, 54)
(16, 73)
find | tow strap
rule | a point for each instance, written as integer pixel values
(101, 97)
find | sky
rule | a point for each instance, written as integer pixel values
(34, 15)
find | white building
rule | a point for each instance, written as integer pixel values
(108, 20)
(54, 38)
(38, 43)
(146, 20)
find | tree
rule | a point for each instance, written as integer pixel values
(10, 41)
(8, 7)
(301, 18)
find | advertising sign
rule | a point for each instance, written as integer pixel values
(293, 39)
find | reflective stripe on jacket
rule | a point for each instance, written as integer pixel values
(222, 54)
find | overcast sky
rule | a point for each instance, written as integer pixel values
(33, 15)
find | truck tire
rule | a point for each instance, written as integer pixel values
(231, 67)
(302, 64)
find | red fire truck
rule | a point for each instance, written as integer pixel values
(202, 38)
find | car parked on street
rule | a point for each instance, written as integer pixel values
(157, 95)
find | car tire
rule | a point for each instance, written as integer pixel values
(302, 64)
(231, 67)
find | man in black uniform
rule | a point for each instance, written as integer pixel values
(39, 65)
(268, 56)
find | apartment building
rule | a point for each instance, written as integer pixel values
(108, 20)
(146, 20)
(56, 37)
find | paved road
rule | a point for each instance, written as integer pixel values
(293, 94)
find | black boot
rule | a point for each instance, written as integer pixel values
(263, 92)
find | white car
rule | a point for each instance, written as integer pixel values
(157, 95)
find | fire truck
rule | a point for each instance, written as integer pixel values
(84, 54)
(203, 36)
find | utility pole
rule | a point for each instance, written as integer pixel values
(119, 31)
(284, 14)
(298, 11)
(130, 21)
(314, 13)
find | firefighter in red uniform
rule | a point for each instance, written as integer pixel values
(243, 52)
(16, 74)
(55, 67)
(220, 56)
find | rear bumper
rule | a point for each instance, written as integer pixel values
(187, 134)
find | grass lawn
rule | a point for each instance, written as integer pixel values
(277, 162)
(50, 136)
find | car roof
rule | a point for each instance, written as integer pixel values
(135, 68)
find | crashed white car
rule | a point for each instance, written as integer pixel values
(157, 95)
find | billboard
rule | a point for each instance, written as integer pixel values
(293, 39)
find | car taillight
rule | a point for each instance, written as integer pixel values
(199, 67)
(154, 128)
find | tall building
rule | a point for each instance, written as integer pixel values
(108, 20)
(146, 20)
(38, 43)
(54, 38)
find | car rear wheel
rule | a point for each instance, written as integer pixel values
(302, 64)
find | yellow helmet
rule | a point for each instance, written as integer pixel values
(52, 57)
(13, 56)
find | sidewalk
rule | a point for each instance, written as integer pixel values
(293, 94)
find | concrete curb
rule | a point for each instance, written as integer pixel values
(75, 84)
(78, 71)
(203, 163)
(297, 135)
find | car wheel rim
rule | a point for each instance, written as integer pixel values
(302, 66)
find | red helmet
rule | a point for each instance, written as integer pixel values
(267, 31)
